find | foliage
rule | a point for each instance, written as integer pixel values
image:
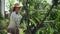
(36, 15)
(1, 17)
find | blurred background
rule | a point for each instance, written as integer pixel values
(39, 16)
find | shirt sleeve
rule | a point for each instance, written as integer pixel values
(11, 18)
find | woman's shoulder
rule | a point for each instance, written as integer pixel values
(13, 13)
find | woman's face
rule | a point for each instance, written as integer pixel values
(17, 9)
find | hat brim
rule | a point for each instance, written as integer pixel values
(19, 6)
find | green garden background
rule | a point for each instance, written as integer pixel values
(39, 17)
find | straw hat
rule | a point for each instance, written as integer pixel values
(18, 4)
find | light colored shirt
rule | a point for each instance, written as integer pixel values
(14, 20)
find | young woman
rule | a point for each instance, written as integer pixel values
(15, 18)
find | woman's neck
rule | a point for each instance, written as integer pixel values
(17, 12)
